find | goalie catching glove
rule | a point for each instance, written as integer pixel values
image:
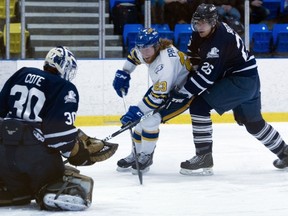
(88, 150)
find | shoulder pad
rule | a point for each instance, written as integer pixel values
(133, 57)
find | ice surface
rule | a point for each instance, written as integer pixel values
(244, 181)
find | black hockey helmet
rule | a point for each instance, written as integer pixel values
(206, 12)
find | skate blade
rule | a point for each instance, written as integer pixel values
(122, 169)
(135, 172)
(65, 202)
(199, 172)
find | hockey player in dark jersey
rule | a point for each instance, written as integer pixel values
(226, 78)
(37, 114)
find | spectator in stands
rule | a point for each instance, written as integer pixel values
(180, 11)
(157, 10)
(258, 12)
(227, 8)
(193, 4)
(170, 11)
(283, 15)
(228, 12)
(176, 11)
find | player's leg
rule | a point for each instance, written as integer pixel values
(9, 199)
(249, 114)
(202, 162)
(223, 96)
(26, 168)
(125, 163)
(14, 188)
(12, 182)
(145, 157)
(149, 138)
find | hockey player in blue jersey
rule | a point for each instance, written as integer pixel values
(37, 114)
(226, 78)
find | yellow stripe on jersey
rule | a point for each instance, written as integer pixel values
(132, 57)
(177, 112)
(149, 103)
(158, 96)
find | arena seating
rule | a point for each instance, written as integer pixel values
(15, 37)
(280, 37)
(130, 32)
(182, 34)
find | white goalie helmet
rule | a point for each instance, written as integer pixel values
(63, 60)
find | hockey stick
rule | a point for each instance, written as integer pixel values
(140, 175)
(132, 124)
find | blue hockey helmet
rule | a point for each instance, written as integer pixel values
(60, 58)
(206, 12)
(147, 37)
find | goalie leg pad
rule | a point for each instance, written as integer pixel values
(71, 193)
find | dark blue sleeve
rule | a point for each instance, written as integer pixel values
(217, 54)
(58, 126)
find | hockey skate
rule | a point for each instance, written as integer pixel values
(144, 161)
(125, 164)
(64, 202)
(199, 165)
(282, 163)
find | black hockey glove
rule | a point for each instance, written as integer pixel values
(176, 104)
(176, 99)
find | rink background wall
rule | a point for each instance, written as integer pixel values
(100, 105)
